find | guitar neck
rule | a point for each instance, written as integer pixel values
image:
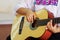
(43, 22)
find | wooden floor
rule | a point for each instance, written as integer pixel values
(5, 30)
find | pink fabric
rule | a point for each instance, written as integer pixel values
(47, 2)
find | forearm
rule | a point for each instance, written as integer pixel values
(23, 11)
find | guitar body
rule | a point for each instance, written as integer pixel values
(28, 30)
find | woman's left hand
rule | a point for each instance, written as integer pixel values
(54, 29)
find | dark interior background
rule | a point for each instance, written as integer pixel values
(5, 30)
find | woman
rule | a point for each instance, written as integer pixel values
(28, 7)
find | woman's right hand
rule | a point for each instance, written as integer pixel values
(31, 16)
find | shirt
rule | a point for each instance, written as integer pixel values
(51, 5)
(31, 4)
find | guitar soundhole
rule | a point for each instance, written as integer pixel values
(35, 23)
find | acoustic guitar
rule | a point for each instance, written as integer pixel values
(22, 29)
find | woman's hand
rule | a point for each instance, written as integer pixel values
(31, 16)
(54, 29)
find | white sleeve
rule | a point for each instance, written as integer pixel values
(21, 3)
(58, 14)
(58, 11)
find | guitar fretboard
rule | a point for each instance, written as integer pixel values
(43, 22)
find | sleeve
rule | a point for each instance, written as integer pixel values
(21, 3)
(58, 11)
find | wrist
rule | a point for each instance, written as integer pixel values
(28, 11)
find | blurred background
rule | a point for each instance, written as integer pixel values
(7, 11)
(6, 17)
